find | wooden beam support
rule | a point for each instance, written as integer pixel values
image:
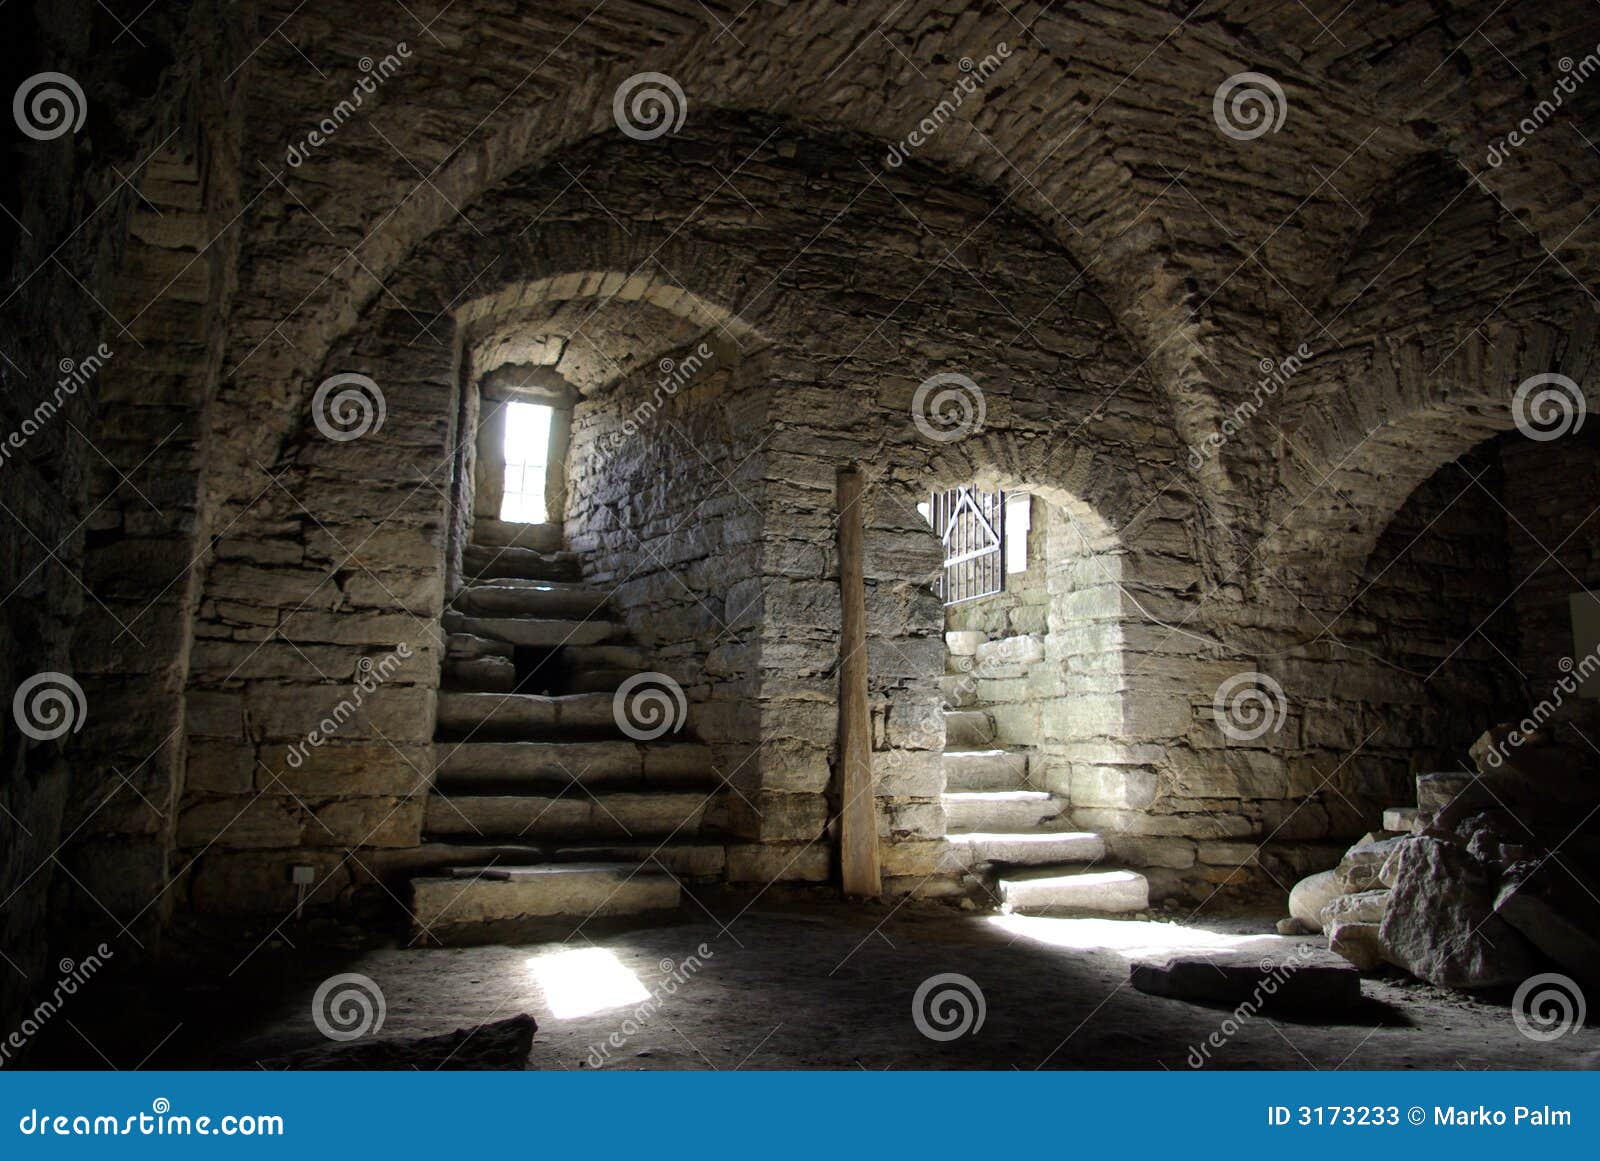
(858, 815)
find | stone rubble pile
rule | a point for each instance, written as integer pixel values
(1493, 877)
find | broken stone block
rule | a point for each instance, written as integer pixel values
(1310, 895)
(1555, 914)
(1360, 907)
(1441, 926)
(1436, 791)
(1401, 819)
(1357, 942)
(1362, 863)
(1288, 976)
(964, 642)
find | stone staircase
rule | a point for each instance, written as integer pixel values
(543, 809)
(1017, 838)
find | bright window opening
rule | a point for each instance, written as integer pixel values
(527, 460)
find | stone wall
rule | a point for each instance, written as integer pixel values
(665, 510)
(1109, 314)
(70, 200)
(1554, 541)
(310, 706)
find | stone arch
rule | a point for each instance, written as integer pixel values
(1068, 397)
(1361, 455)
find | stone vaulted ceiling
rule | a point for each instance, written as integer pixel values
(1214, 252)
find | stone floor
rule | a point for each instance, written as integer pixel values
(816, 986)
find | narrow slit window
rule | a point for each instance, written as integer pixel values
(527, 460)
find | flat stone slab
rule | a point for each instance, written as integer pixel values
(1105, 891)
(1294, 976)
(469, 895)
(1029, 850)
(981, 770)
(1403, 818)
(1001, 811)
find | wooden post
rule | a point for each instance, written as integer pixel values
(858, 815)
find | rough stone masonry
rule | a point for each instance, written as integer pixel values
(1297, 403)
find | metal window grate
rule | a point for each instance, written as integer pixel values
(972, 526)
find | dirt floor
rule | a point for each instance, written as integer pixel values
(817, 986)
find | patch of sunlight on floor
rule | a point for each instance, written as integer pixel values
(586, 981)
(1128, 937)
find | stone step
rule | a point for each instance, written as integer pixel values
(1102, 891)
(687, 860)
(959, 690)
(517, 597)
(567, 817)
(508, 767)
(477, 895)
(968, 730)
(546, 632)
(490, 562)
(524, 715)
(1003, 811)
(486, 674)
(985, 770)
(1027, 850)
(509, 534)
